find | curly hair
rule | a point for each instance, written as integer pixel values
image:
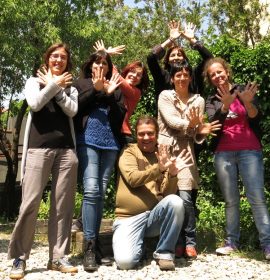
(210, 62)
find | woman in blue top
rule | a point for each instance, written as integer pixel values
(98, 131)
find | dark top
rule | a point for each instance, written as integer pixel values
(50, 128)
(213, 109)
(162, 77)
(89, 99)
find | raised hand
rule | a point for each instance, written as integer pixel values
(189, 31)
(209, 128)
(111, 85)
(248, 93)
(99, 46)
(225, 96)
(98, 78)
(163, 157)
(116, 50)
(194, 117)
(183, 160)
(174, 27)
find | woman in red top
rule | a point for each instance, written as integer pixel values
(134, 83)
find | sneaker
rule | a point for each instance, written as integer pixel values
(165, 264)
(191, 252)
(179, 251)
(62, 265)
(228, 249)
(266, 252)
(18, 269)
(77, 226)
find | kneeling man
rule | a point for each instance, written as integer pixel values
(146, 200)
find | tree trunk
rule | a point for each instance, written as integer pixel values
(11, 203)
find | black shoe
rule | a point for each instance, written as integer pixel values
(62, 265)
(89, 259)
(77, 225)
(100, 258)
(18, 269)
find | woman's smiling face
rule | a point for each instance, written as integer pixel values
(58, 61)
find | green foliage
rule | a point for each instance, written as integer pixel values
(27, 28)
(44, 208)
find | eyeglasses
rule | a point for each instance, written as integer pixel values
(55, 56)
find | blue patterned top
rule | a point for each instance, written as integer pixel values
(98, 131)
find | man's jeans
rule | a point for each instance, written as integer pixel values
(251, 170)
(165, 219)
(96, 166)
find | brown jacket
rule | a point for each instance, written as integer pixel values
(141, 185)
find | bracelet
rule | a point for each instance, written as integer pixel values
(171, 39)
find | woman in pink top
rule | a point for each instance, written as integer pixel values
(238, 150)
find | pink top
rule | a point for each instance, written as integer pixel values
(132, 96)
(236, 133)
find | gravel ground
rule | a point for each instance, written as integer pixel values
(205, 267)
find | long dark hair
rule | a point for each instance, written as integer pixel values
(144, 80)
(51, 49)
(86, 69)
(167, 64)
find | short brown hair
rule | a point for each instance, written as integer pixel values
(147, 120)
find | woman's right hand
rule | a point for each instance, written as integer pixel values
(194, 117)
(174, 27)
(98, 78)
(225, 96)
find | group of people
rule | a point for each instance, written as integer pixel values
(85, 126)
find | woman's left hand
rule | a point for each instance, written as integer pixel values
(209, 128)
(63, 80)
(44, 76)
(111, 85)
(248, 93)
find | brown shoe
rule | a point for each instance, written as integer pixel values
(62, 265)
(165, 264)
(191, 252)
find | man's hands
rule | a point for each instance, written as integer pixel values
(173, 165)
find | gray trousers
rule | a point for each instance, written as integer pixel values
(61, 164)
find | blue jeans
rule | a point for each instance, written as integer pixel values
(188, 233)
(164, 220)
(96, 166)
(251, 169)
